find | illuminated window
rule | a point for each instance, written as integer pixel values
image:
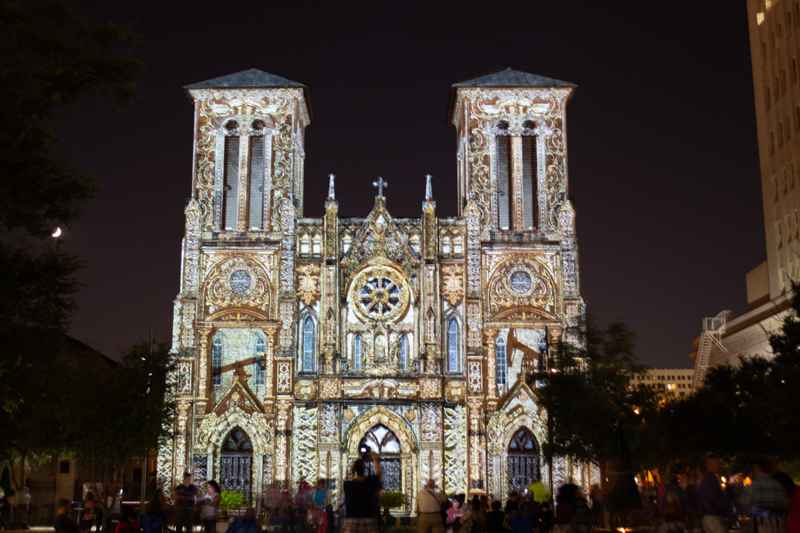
(257, 168)
(309, 338)
(503, 166)
(453, 346)
(404, 348)
(357, 352)
(216, 359)
(230, 185)
(500, 363)
(259, 370)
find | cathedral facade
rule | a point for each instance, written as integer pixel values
(300, 341)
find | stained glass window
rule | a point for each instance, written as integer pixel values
(500, 365)
(259, 369)
(357, 352)
(403, 352)
(308, 345)
(453, 338)
(216, 359)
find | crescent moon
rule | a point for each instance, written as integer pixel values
(57, 232)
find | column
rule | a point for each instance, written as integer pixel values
(516, 183)
(490, 336)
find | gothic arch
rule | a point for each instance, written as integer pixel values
(522, 288)
(408, 445)
(379, 415)
(214, 428)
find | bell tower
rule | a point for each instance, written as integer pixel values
(248, 150)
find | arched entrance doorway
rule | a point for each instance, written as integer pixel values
(236, 463)
(383, 441)
(523, 460)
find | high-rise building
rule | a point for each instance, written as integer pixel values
(775, 49)
(300, 341)
(669, 383)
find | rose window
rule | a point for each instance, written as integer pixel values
(521, 282)
(240, 282)
(380, 295)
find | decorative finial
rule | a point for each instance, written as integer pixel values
(428, 188)
(331, 187)
(380, 184)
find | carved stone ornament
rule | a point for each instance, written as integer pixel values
(308, 284)
(238, 281)
(453, 283)
(522, 287)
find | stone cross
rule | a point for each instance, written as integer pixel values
(380, 184)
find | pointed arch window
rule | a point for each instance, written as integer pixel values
(216, 359)
(357, 352)
(404, 350)
(453, 346)
(503, 174)
(230, 184)
(500, 365)
(308, 348)
(256, 175)
(259, 370)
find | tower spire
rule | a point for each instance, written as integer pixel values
(428, 188)
(380, 184)
(331, 186)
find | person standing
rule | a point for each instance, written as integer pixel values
(210, 507)
(713, 505)
(89, 513)
(152, 519)
(361, 497)
(64, 523)
(429, 509)
(185, 496)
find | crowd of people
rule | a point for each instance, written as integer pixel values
(688, 502)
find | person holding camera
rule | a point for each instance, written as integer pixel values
(361, 496)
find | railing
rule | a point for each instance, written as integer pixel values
(711, 337)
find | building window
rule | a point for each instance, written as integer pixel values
(216, 359)
(503, 166)
(529, 180)
(256, 174)
(453, 346)
(309, 338)
(357, 363)
(63, 467)
(259, 369)
(230, 185)
(403, 356)
(500, 369)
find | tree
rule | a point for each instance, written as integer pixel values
(589, 395)
(57, 58)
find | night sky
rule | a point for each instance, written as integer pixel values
(663, 161)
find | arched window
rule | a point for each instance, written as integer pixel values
(357, 352)
(453, 346)
(529, 178)
(500, 365)
(230, 185)
(403, 356)
(236, 463)
(216, 359)
(259, 371)
(309, 337)
(382, 441)
(503, 175)
(523, 460)
(256, 171)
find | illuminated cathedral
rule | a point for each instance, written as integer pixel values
(299, 340)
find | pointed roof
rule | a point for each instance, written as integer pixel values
(246, 79)
(513, 78)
